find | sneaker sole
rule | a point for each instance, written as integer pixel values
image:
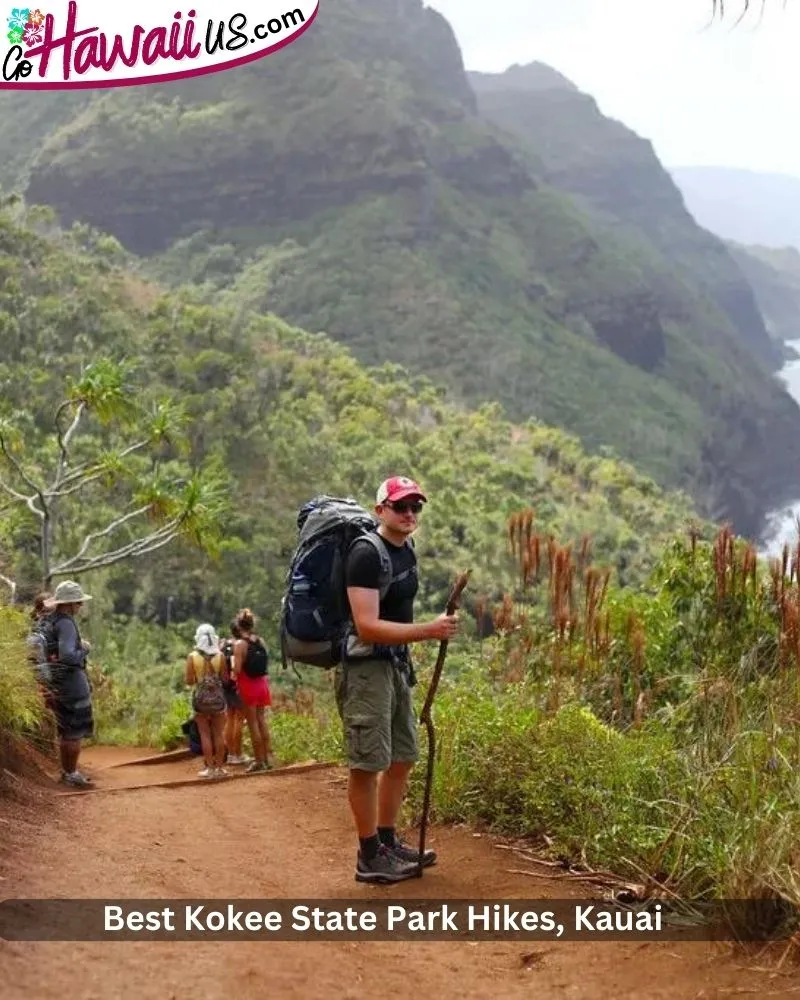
(383, 878)
(425, 864)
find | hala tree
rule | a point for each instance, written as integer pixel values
(106, 483)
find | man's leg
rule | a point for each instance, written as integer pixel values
(364, 697)
(362, 794)
(392, 791)
(405, 753)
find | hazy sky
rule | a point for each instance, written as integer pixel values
(703, 92)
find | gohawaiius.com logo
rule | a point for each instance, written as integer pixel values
(71, 45)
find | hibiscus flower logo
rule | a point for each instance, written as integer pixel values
(25, 26)
(17, 20)
(32, 34)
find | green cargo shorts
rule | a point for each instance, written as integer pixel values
(376, 707)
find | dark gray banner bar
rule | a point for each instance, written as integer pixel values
(384, 920)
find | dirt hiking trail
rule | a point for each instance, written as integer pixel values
(289, 835)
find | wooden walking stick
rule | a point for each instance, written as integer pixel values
(425, 716)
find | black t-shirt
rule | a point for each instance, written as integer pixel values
(364, 570)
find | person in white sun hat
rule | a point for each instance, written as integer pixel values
(69, 683)
(205, 667)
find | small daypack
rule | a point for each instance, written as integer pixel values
(42, 647)
(315, 612)
(256, 663)
(208, 697)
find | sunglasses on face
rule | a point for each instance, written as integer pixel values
(405, 506)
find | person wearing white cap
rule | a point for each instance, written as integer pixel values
(69, 683)
(205, 667)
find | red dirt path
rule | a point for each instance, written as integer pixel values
(290, 836)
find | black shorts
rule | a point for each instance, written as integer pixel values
(233, 699)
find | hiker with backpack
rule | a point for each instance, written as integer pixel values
(251, 668)
(40, 660)
(234, 716)
(65, 676)
(374, 682)
(349, 605)
(36, 642)
(205, 667)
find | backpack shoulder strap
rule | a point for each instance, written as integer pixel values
(387, 578)
(379, 545)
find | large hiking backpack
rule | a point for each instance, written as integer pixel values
(256, 662)
(315, 613)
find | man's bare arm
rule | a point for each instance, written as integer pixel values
(365, 605)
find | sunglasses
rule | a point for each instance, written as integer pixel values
(405, 506)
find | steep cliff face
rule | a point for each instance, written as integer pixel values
(351, 184)
(350, 110)
(616, 173)
(774, 276)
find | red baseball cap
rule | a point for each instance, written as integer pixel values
(398, 488)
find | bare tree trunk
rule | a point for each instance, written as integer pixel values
(46, 549)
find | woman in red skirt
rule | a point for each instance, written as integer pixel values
(250, 668)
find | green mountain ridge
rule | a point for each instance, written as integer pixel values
(350, 185)
(616, 175)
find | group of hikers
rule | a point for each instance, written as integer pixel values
(373, 680)
(229, 682)
(230, 685)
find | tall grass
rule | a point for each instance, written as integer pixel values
(655, 732)
(22, 710)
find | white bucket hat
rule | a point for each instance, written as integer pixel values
(206, 640)
(68, 592)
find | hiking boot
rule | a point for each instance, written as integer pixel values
(384, 867)
(220, 772)
(207, 772)
(76, 780)
(257, 766)
(410, 855)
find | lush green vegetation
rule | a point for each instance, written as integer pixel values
(630, 675)
(21, 708)
(614, 661)
(349, 185)
(270, 416)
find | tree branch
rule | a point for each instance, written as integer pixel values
(150, 543)
(23, 475)
(75, 488)
(10, 584)
(93, 536)
(93, 470)
(22, 498)
(64, 443)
